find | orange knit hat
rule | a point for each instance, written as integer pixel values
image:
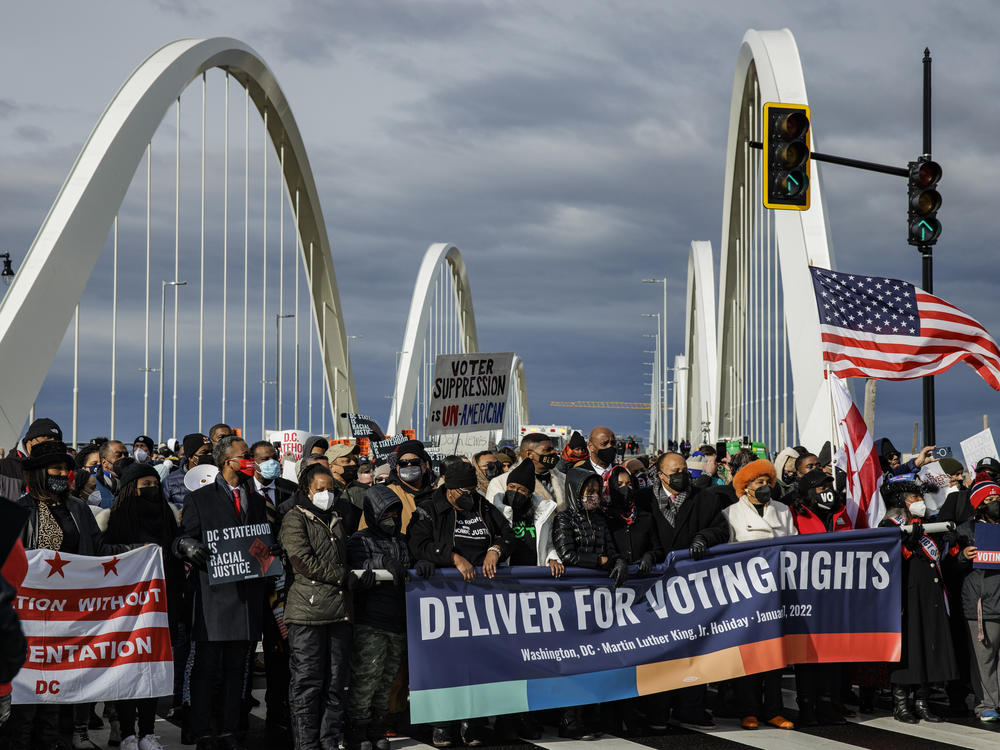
(754, 469)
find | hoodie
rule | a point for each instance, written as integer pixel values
(382, 606)
(582, 537)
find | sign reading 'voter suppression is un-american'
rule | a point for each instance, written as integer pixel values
(469, 392)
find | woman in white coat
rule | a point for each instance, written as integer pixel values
(753, 517)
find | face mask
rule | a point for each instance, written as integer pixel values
(410, 474)
(493, 470)
(148, 493)
(621, 495)
(591, 502)
(141, 456)
(763, 494)
(92, 470)
(991, 511)
(679, 482)
(516, 500)
(322, 500)
(788, 477)
(95, 498)
(247, 466)
(465, 501)
(365, 477)
(57, 485)
(387, 526)
(270, 469)
(825, 500)
(642, 479)
(918, 509)
(548, 461)
(607, 455)
(206, 459)
(349, 473)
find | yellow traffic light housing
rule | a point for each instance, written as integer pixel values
(786, 156)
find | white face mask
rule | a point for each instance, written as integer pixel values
(322, 500)
(918, 509)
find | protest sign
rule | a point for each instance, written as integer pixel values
(932, 473)
(467, 443)
(382, 448)
(980, 445)
(292, 442)
(240, 553)
(469, 392)
(96, 628)
(524, 641)
(987, 544)
(363, 426)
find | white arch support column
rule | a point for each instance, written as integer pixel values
(517, 401)
(439, 257)
(700, 346)
(38, 306)
(765, 260)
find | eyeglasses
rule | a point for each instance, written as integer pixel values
(241, 457)
(409, 462)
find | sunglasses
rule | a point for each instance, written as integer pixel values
(409, 462)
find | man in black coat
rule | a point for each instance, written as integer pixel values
(686, 518)
(228, 616)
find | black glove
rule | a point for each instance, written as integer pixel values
(365, 581)
(911, 538)
(395, 567)
(276, 550)
(698, 547)
(646, 564)
(619, 572)
(424, 568)
(193, 550)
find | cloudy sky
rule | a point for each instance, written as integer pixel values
(569, 148)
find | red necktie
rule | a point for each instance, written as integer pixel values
(236, 500)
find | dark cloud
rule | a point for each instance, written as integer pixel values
(33, 134)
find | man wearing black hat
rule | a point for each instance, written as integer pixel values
(550, 483)
(143, 448)
(197, 450)
(410, 479)
(11, 469)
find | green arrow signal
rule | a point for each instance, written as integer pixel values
(924, 228)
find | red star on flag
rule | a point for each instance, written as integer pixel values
(57, 564)
(111, 566)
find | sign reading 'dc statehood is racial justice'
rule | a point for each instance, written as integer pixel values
(240, 553)
(469, 392)
(96, 627)
(524, 641)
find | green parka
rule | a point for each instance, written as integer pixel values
(317, 552)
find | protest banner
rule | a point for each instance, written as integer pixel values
(975, 447)
(292, 442)
(987, 544)
(240, 553)
(96, 628)
(382, 448)
(469, 392)
(525, 641)
(931, 473)
(363, 426)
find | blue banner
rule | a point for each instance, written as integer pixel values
(527, 641)
(987, 542)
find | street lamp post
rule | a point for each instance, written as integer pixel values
(163, 327)
(278, 317)
(660, 378)
(655, 436)
(663, 379)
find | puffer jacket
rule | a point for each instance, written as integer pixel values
(317, 551)
(582, 537)
(383, 606)
(979, 584)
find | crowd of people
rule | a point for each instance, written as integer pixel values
(331, 634)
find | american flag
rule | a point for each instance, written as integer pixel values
(888, 329)
(860, 461)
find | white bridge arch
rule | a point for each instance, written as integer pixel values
(40, 303)
(767, 306)
(701, 373)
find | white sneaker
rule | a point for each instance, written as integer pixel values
(150, 742)
(130, 743)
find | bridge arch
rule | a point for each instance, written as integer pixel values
(40, 303)
(702, 363)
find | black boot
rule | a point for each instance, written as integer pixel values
(356, 735)
(807, 714)
(923, 710)
(828, 715)
(866, 700)
(901, 706)
(376, 733)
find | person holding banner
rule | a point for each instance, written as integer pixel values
(980, 599)
(227, 616)
(927, 653)
(457, 527)
(410, 479)
(141, 515)
(756, 516)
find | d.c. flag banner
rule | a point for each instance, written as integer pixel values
(96, 627)
(526, 641)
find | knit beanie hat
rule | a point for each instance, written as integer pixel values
(43, 427)
(193, 442)
(462, 476)
(981, 491)
(524, 474)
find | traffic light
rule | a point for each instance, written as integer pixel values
(925, 200)
(786, 156)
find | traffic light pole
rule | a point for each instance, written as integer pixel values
(926, 256)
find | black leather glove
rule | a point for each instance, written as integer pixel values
(395, 567)
(911, 538)
(619, 572)
(646, 564)
(365, 581)
(276, 550)
(698, 547)
(424, 568)
(193, 551)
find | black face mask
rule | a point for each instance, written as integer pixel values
(206, 460)
(57, 485)
(788, 477)
(607, 455)
(548, 461)
(465, 501)
(149, 494)
(679, 482)
(824, 500)
(350, 473)
(990, 511)
(493, 470)
(516, 500)
(763, 494)
(387, 526)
